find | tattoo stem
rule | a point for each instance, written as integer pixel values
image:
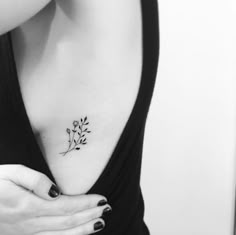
(80, 132)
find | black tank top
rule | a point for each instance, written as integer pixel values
(120, 180)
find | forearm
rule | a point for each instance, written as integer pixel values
(15, 12)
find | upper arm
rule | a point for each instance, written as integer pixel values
(15, 12)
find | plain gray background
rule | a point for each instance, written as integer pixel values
(188, 173)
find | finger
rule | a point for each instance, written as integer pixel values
(30, 179)
(67, 205)
(90, 227)
(54, 223)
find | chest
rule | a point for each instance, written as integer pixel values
(78, 49)
(74, 61)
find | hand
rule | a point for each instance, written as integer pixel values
(26, 208)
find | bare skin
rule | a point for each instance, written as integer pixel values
(13, 13)
(74, 59)
(79, 58)
(27, 209)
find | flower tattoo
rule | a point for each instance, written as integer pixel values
(77, 135)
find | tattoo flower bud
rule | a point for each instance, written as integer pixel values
(75, 123)
(76, 141)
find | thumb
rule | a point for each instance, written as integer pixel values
(30, 179)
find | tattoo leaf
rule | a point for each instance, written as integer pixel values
(77, 140)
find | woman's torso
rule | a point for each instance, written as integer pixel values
(76, 59)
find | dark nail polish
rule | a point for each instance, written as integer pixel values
(107, 211)
(102, 202)
(98, 225)
(54, 191)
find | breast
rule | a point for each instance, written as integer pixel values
(79, 87)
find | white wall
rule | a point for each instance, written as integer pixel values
(188, 171)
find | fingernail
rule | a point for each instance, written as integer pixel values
(102, 202)
(54, 191)
(107, 211)
(98, 225)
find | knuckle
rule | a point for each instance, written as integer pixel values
(88, 202)
(39, 178)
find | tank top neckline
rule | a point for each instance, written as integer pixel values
(125, 130)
